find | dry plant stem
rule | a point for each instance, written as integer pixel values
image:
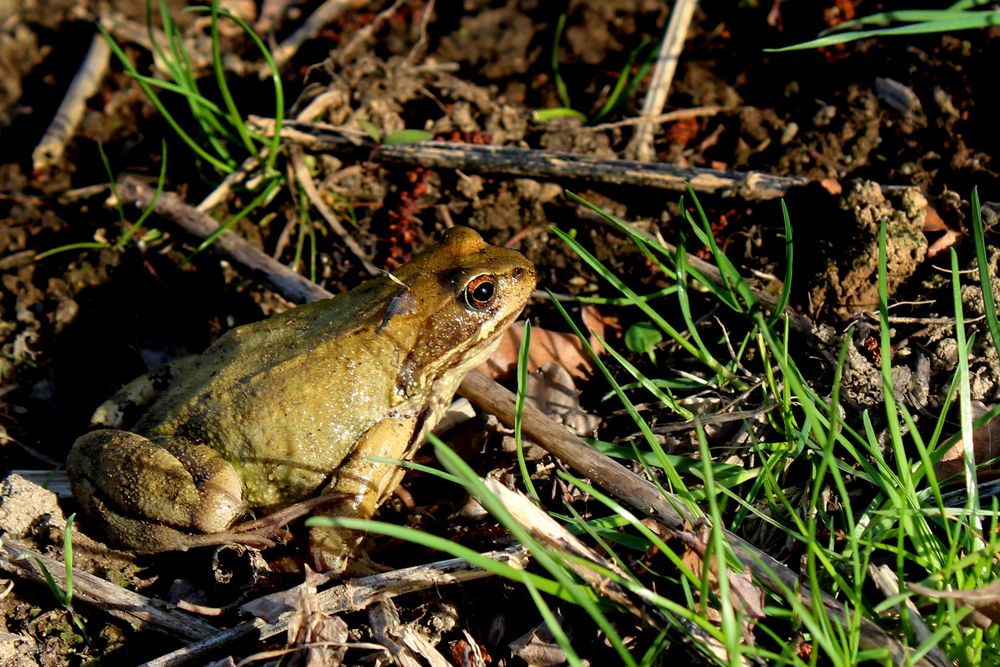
(693, 112)
(244, 256)
(272, 14)
(316, 21)
(365, 34)
(641, 146)
(407, 647)
(886, 581)
(349, 596)
(532, 163)
(304, 179)
(670, 510)
(547, 531)
(219, 194)
(50, 149)
(417, 52)
(135, 609)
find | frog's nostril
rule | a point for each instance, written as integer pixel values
(518, 272)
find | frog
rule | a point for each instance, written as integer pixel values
(298, 405)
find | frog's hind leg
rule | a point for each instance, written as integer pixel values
(133, 398)
(146, 493)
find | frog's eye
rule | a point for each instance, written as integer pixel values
(480, 291)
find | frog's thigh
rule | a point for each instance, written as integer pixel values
(140, 393)
(134, 485)
(365, 484)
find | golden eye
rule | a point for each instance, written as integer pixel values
(480, 291)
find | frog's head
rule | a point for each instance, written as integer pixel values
(463, 294)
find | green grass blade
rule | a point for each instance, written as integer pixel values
(146, 212)
(786, 287)
(154, 99)
(561, 89)
(983, 262)
(616, 98)
(663, 395)
(965, 405)
(82, 245)
(978, 21)
(265, 194)
(672, 476)
(522, 390)
(654, 316)
(546, 115)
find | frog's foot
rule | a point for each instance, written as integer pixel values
(148, 537)
(152, 496)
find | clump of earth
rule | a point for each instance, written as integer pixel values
(846, 279)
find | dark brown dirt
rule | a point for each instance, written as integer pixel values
(78, 324)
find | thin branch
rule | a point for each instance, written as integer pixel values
(365, 34)
(88, 78)
(351, 595)
(641, 146)
(886, 581)
(666, 117)
(304, 179)
(137, 610)
(319, 19)
(532, 163)
(244, 256)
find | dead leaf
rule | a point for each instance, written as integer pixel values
(537, 647)
(468, 652)
(984, 601)
(933, 222)
(985, 447)
(546, 345)
(551, 389)
(322, 636)
(947, 240)
(745, 596)
(832, 185)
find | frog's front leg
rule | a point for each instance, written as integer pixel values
(362, 485)
(146, 493)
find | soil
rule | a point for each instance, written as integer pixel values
(889, 129)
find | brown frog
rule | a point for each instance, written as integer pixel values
(295, 405)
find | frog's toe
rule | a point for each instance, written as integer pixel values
(330, 548)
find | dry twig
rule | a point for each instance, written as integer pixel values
(50, 149)
(304, 178)
(365, 34)
(641, 146)
(316, 21)
(273, 612)
(678, 114)
(886, 581)
(135, 609)
(243, 255)
(531, 163)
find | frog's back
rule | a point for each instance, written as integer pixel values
(285, 399)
